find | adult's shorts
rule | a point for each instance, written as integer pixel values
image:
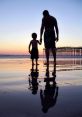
(49, 39)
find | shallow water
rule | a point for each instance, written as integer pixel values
(18, 98)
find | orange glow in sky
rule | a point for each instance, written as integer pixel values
(20, 18)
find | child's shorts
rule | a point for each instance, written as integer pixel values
(34, 53)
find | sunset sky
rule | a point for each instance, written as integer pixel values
(20, 18)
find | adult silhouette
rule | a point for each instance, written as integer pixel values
(51, 34)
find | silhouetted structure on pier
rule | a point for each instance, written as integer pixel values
(68, 51)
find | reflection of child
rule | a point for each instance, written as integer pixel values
(33, 83)
(34, 51)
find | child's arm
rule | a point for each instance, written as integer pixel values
(29, 47)
(39, 42)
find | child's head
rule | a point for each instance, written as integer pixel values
(34, 35)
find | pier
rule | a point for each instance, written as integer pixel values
(67, 52)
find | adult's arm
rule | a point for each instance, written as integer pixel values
(57, 30)
(41, 30)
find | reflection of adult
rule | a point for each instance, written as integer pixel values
(51, 34)
(49, 96)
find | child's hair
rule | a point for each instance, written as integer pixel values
(34, 35)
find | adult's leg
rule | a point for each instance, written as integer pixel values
(47, 57)
(36, 63)
(54, 56)
(32, 62)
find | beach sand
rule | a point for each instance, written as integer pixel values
(19, 99)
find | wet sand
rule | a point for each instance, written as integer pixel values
(18, 99)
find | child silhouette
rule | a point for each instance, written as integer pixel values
(34, 51)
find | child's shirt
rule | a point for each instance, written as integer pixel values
(35, 43)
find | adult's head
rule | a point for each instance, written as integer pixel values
(45, 13)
